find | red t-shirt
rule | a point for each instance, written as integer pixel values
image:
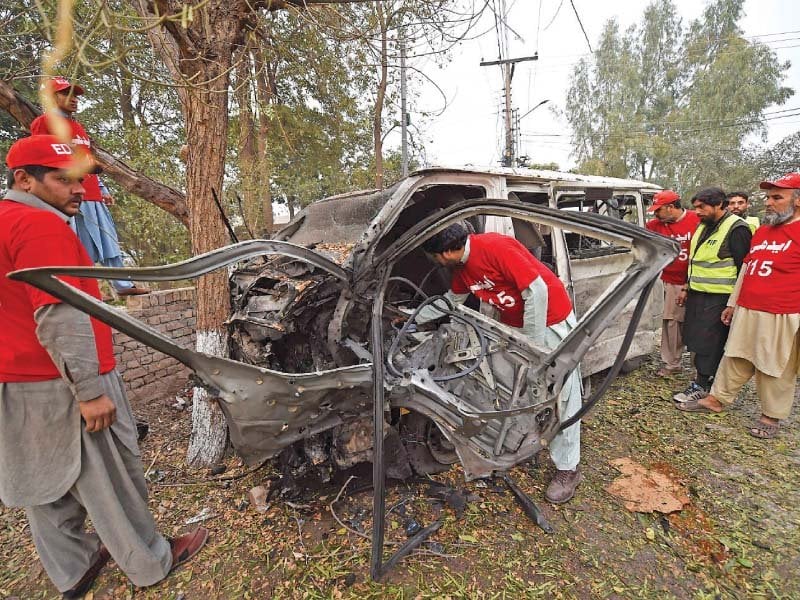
(80, 140)
(772, 270)
(681, 231)
(30, 237)
(499, 269)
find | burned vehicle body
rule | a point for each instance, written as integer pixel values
(317, 371)
(312, 343)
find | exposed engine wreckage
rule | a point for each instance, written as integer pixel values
(316, 366)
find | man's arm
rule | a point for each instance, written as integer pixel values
(534, 315)
(739, 244)
(66, 333)
(431, 312)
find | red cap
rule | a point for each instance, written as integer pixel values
(663, 198)
(42, 150)
(790, 181)
(59, 84)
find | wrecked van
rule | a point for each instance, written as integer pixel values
(319, 376)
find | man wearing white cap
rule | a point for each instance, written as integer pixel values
(93, 224)
(764, 315)
(673, 221)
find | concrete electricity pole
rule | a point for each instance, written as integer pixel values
(508, 74)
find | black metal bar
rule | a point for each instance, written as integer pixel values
(378, 470)
(614, 370)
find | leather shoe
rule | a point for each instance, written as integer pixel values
(186, 546)
(133, 291)
(85, 584)
(562, 486)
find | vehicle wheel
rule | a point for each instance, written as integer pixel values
(429, 451)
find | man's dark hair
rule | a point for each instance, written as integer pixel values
(676, 204)
(452, 237)
(713, 196)
(744, 195)
(36, 171)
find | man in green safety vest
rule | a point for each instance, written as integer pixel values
(716, 252)
(739, 204)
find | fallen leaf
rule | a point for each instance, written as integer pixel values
(645, 490)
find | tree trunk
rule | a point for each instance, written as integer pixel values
(202, 51)
(264, 95)
(248, 160)
(206, 131)
(377, 130)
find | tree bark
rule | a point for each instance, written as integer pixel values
(204, 48)
(132, 181)
(377, 129)
(264, 96)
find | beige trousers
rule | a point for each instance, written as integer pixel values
(672, 327)
(775, 393)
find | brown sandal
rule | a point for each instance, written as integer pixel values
(764, 431)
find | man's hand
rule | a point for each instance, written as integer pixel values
(99, 413)
(681, 299)
(108, 200)
(727, 315)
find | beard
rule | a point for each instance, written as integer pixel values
(709, 220)
(773, 218)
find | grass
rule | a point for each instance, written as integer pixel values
(738, 537)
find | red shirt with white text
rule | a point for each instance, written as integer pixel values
(681, 231)
(31, 237)
(772, 270)
(80, 141)
(499, 269)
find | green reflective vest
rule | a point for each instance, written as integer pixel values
(707, 271)
(753, 223)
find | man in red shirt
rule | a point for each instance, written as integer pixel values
(68, 445)
(93, 223)
(673, 221)
(500, 271)
(764, 315)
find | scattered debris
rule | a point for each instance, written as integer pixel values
(155, 475)
(257, 497)
(203, 515)
(645, 490)
(528, 506)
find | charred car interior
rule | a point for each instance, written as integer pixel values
(321, 376)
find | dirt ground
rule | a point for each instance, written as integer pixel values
(737, 537)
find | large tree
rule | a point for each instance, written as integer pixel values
(672, 103)
(204, 51)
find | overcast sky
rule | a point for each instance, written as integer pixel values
(469, 129)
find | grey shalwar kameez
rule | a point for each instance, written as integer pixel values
(60, 473)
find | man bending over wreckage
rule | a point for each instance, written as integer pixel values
(500, 271)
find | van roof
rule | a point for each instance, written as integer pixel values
(540, 175)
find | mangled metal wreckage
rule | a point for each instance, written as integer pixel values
(319, 375)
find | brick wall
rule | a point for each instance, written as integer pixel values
(148, 373)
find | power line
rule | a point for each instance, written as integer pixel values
(620, 134)
(560, 4)
(577, 16)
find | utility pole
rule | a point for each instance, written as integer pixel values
(507, 66)
(403, 114)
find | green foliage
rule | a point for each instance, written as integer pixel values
(675, 104)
